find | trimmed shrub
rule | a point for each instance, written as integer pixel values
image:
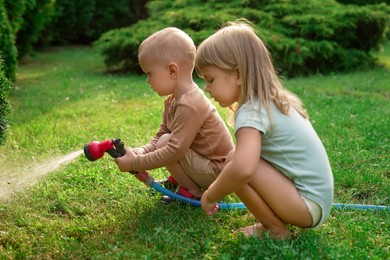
(7, 44)
(5, 108)
(305, 36)
(324, 41)
(119, 45)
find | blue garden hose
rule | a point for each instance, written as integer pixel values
(360, 206)
(228, 206)
(116, 148)
(196, 203)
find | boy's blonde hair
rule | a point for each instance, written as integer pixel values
(170, 45)
(236, 46)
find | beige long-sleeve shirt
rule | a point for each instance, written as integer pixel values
(194, 123)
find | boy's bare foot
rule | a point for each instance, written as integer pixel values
(260, 231)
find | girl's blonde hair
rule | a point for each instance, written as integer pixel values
(236, 46)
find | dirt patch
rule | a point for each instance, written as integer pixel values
(14, 183)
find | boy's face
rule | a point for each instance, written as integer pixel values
(223, 86)
(158, 75)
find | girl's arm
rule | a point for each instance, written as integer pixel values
(238, 171)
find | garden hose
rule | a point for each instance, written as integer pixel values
(116, 148)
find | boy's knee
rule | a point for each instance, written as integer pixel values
(163, 140)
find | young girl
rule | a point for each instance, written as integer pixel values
(279, 168)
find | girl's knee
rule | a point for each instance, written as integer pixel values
(163, 140)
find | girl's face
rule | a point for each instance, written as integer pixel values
(223, 86)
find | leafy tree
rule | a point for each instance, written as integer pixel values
(82, 22)
(37, 15)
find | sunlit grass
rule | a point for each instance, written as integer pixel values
(63, 100)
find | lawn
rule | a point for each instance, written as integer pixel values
(63, 99)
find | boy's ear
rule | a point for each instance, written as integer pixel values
(173, 69)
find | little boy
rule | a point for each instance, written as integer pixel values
(193, 141)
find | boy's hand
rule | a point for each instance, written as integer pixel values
(124, 162)
(208, 207)
(138, 150)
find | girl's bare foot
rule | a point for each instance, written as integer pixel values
(260, 231)
(255, 230)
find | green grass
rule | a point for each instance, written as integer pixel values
(63, 100)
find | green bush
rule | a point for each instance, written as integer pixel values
(324, 41)
(7, 44)
(119, 45)
(82, 22)
(363, 2)
(5, 108)
(305, 36)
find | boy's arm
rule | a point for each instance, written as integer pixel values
(139, 150)
(185, 127)
(151, 146)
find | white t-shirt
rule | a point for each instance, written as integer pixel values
(293, 147)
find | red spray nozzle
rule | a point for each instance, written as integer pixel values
(116, 148)
(95, 150)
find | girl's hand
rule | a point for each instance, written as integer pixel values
(208, 207)
(124, 162)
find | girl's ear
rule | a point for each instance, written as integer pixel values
(173, 70)
(237, 72)
(237, 75)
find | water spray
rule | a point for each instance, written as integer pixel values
(11, 184)
(116, 148)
